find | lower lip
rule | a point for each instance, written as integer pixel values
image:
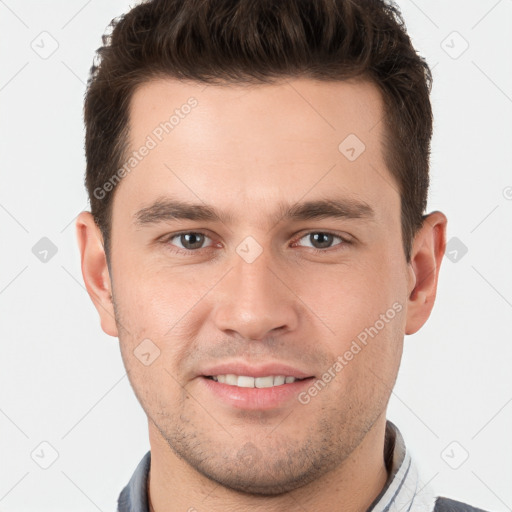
(256, 398)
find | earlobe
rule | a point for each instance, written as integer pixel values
(95, 270)
(427, 254)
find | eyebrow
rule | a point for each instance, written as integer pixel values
(168, 209)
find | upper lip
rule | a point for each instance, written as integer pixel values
(254, 370)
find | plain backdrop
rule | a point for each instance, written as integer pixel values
(62, 381)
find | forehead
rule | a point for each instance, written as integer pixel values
(252, 145)
(300, 110)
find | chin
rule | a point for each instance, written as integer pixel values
(259, 484)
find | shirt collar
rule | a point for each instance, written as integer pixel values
(401, 493)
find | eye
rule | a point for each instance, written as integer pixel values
(322, 240)
(188, 241)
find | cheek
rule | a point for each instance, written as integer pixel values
(162, 311)
(155, 384)
(363, 306)
(151, 300)
(351, 297)
(368, 354)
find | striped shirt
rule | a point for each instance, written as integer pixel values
(403, 491)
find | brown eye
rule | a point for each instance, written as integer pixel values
(189, 241)
(322, 239)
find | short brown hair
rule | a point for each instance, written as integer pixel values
(262, 41)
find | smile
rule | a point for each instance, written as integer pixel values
(244, 381)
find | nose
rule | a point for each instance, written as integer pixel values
(256, 300)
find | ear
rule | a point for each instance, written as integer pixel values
(427, 253)
(95, 270)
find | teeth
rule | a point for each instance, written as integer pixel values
(264, 382)
(232, 380)
(279, 380)
(243, 381)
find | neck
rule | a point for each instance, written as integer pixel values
(175, 486)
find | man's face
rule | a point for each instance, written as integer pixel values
(248, 294)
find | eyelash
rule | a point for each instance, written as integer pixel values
(189, 252)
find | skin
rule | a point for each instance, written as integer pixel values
(243, 150)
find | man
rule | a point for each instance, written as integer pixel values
(258, 175)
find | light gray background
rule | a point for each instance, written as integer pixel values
(61, 378)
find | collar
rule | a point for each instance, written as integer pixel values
(402, 492)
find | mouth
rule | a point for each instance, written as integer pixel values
(246, 381)
(271, 385)
(262, 393)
